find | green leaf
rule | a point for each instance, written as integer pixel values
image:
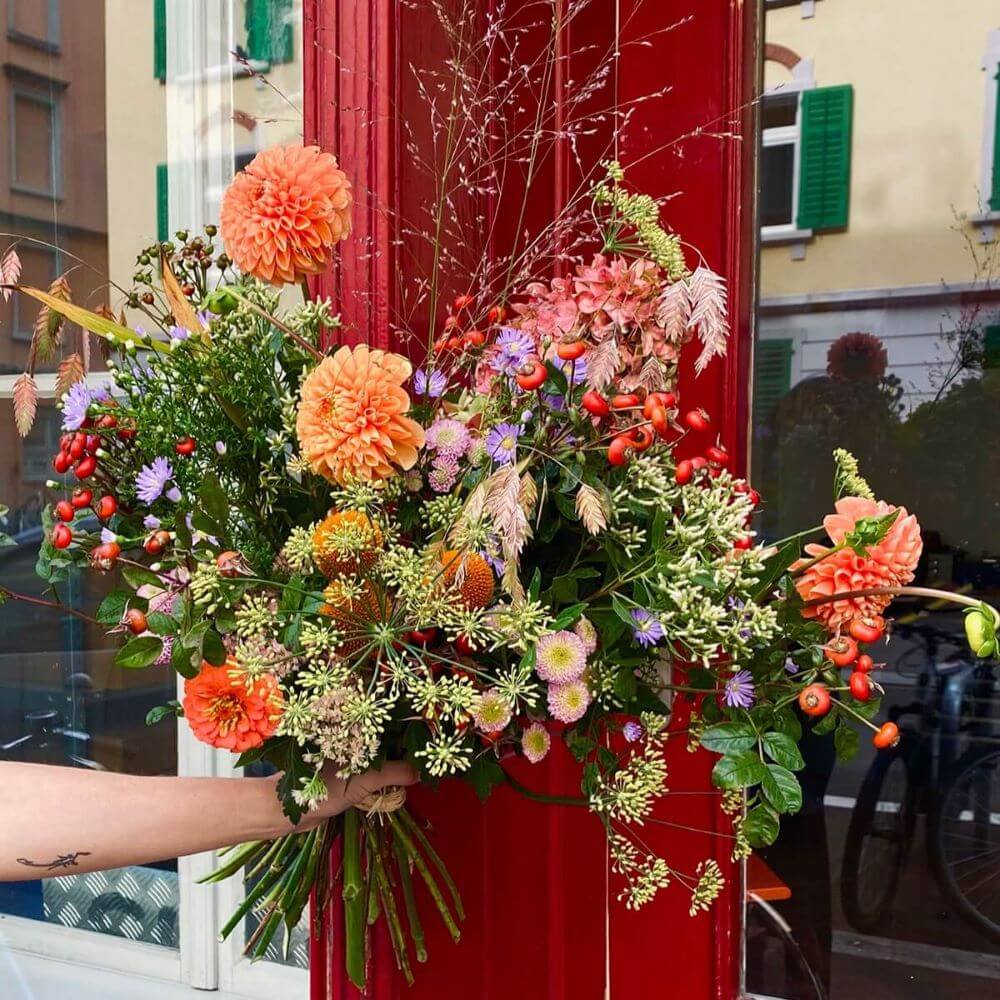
(787, 722)
(761, 825)
(781, 788)
(846, 741)
(564, 588)
(825, 725)
(579, 745)
(185, 660)
(171, 710)
(729, 738)
(783, 750)
(212, 648)
(213, 500)
(139, 576)
(113, 607)
(139, 652)
(776, 566)
(485, 774)
(568, 616)
(870, 531)
(738, 772)
(161, 624)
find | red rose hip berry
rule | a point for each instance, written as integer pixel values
(814, 700)
(61, 536)
(887, 736)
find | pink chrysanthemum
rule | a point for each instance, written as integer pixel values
(492, 713)
(890, 563)
(443, 474)
(448, 436)
(535, 742)
(568, 702)
(560, 657)
(587, 634)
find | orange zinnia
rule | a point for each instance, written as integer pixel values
(225, 712)
(282, 216)
(351, 422)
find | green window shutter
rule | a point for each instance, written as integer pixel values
(772, 376)
(825, 170)
(160, 40)
(162, 203)
(995, 186)
(270, 35)
(991, 347)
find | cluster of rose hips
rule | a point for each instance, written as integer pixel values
(190, 262)
(844, 652)
(454, 339)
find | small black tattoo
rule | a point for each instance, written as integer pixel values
(63, 861)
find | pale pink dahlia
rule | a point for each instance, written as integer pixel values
(568, 702)
(560, 657)
(535, 742)
(890, 563)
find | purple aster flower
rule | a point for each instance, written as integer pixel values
(494, 562)
(501, 443)
(107, 535)
(174, 495)
(429, 383)
(220, 447)
(554, 401)
(647, 630)
(151, 523)
(152, 480)
(738, 691)
(632, 731)
(514, 347)
(791, 666)
(575, 371)
(178, 333)
(76, 402)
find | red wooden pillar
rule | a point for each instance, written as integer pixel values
(542, 920)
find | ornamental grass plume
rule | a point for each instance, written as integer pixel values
(283, 214)
(352, 423)
(888, 563)
(225, 711)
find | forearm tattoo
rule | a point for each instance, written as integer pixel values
(63, 861)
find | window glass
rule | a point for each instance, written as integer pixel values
(879, 334)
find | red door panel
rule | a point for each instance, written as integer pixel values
(542, 920)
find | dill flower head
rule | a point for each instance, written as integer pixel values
(535, 742)
(560, 657)
(344, 542)
(568, 702)
(492, 712)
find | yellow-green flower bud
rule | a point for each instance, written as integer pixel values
(980, 630)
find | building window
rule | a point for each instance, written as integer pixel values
(35, 141)
(990, 193)
(805, 161)
(270, 32)
(34, 23)
(39, 267)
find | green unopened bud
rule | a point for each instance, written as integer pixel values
(221, 302)
(981, 631)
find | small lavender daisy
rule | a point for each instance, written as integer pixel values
(492, 713)
(152, 480)
(107, 535)
(429, 383)
(575, 371)
(220, 447)
(647, 630)
(632, 731)
(151, 523)
(791, 666)
(535, 742)
(738, 691)
(75, 405)
(568, 702)
(560, 657)
(174, 495)
(501, 443)
(179, 333)
(447, 435)
(514, 347)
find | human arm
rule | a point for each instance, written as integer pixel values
(61, 820)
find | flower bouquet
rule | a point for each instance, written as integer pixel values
(352, 558)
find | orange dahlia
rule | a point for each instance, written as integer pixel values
(224, 711)
(476, 586)
(283, 214)
(351, 421)
(346, 541)
(890, 563)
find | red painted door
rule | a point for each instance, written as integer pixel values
(543, 921)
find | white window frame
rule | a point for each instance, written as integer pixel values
(986, 218)
(201, 34)
(802, 79)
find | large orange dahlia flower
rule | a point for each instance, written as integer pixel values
(224, 711)
(283, 214)
(351, 422)
(890, 563)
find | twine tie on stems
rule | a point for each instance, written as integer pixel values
(385, 800)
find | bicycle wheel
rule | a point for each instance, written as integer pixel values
(878, 840)
(966, 840)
